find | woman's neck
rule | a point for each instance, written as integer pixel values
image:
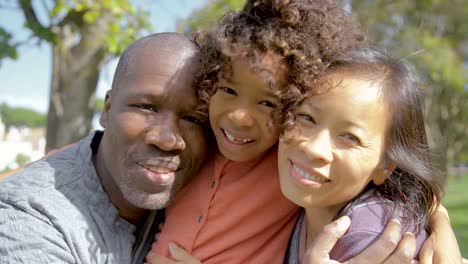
(317, 218)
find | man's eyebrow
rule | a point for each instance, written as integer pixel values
(146, 96)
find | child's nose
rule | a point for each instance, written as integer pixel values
(241, 117)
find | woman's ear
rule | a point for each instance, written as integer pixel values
(386, 171)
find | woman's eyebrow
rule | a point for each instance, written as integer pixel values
(311, 106)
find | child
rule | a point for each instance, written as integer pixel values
(359, 149)
(258, 59)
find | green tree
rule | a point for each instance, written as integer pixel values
(208, 15)
(22, 159)
(83, 35)
(19, 116)
(7, 46)
(99, 106)
(432, 34)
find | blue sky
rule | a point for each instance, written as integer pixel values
(25, 82)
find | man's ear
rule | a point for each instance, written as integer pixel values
(386, 171)
(105, 110)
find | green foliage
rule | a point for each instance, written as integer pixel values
(432, 34)
(8, 49)
(99, 105)
(440, 61)
(463, 158)
(18, 116)
(124, 27)
(456, 201)
(210, 14)
(22, 159)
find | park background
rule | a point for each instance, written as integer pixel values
(57, 59)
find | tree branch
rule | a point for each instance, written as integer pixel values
(33, 22)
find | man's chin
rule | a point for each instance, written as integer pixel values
(149, 201)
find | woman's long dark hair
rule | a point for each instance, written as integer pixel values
(415, 185)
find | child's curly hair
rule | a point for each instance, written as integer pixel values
(307, 35)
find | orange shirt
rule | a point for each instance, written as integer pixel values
(231, 212)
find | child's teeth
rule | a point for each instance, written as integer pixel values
(233, 139)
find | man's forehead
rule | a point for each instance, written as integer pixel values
(176, 68)
(182, 98)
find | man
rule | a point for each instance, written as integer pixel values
(89, 202)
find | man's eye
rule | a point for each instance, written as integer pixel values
(227, 90)
(268, 104)
(148, 107)
(192, 119)
(352, 138)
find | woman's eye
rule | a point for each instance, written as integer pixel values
(228, 90)
(268, 104)
(306, 118)
(352, 138)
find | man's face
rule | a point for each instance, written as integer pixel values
(153, 141)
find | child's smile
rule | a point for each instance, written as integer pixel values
(240, 110)
(236, 140)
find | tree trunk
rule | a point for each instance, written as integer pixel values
(75, 74)
(71, 102)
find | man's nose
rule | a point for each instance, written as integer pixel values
(165, 134)
(318, 147)
(241, 117)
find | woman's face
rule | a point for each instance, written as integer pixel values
(336, 146)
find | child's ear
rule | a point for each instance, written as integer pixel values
(385, 173)
(105, 110)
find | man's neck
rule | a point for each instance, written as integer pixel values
(127, 211)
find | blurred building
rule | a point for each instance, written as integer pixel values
(19, 145)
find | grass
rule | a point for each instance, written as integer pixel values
(456, 201)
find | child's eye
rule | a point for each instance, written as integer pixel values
(192, 119)
(268, 104)
(352, 138)
(228, 90)
(306, 118)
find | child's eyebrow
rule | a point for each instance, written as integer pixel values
(228, 79)
(269, 93)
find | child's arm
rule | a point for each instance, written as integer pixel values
(441, 246)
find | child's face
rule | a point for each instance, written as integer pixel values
(337, 146)
(240, 111)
